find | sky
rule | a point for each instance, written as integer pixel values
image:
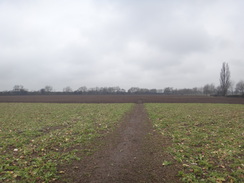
(125, 43)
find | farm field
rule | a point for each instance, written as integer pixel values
(151, 142)
(207, 139)
(120, 99)
(36, 138)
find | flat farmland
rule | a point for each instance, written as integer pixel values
(120, 99)
(207, 139)
(36, 138)
(122, 142)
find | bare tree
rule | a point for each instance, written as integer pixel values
(82, 89)
(48, 88)
(225, 79)
(18, 88)
(209, 89)
(168, 91)
(67, 89)
(240, 87)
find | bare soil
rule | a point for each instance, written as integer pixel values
(121, 99)
(134, 152)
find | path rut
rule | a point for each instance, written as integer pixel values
(134, 152)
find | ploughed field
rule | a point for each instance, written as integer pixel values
(120, 99)
(152, 142)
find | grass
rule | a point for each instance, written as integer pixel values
(207, 139)
(36, 138)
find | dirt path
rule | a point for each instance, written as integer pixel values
(132, 153)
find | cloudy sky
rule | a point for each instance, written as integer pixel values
(146, 43)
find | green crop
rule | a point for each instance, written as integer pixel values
(207, 139)
(36, 138)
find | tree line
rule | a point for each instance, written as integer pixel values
(208, 89)
(226, 87)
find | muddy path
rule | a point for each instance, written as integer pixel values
(134, 152)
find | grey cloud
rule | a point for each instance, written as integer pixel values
(127, 43)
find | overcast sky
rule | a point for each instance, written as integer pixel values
(146, 43)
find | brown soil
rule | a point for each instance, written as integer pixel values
(134, 152)
(121, 99)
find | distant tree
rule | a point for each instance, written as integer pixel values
(240, 87)
(82, 89)
(122, 91)
(200, 90)
(197, 91)
(144, 91)
(18, 88)
(209, 89)
(42, 91)
(48, 88)
(67, 89)
(224, 79)
(232, 89)
(110, 90)
(134, 90)
(153, 91)
(160, 90)
(117, 89)
(168, 91)
(218, 90)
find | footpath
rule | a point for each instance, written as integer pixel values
(134, 152)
